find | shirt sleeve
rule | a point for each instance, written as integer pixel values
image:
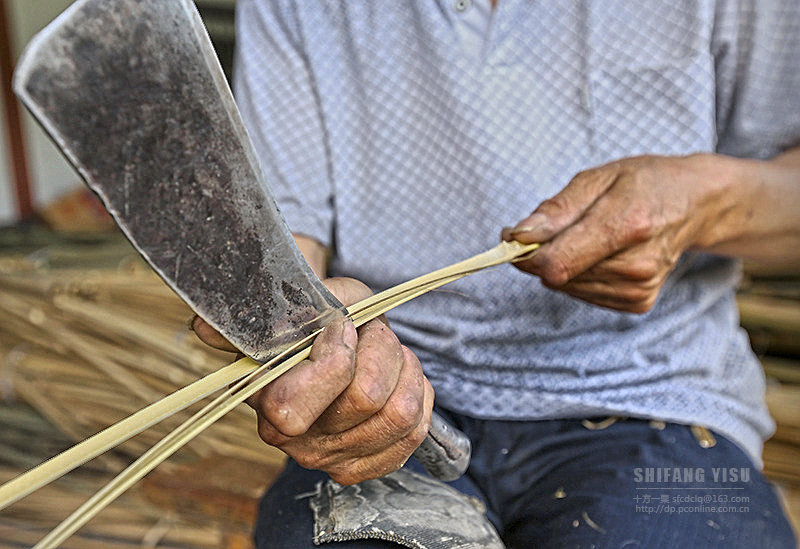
(756, 45)
(275, 94)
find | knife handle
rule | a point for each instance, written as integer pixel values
(445, 452)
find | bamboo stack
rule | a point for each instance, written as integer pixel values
(89, 335)
(769, 307)
(134, 521)
(782, 452)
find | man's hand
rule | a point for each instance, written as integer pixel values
(615, 232)
(357, 408)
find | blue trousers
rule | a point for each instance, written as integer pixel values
(558, 484)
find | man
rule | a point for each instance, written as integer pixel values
(398, 137)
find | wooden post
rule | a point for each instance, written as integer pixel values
(16, 141)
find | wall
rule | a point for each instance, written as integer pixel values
(7, 203)
(51, 176)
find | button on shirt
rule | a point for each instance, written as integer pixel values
(406, 134)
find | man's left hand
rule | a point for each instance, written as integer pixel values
(615, 232)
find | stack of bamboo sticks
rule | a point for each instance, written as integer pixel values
(769, 305)
(89, 338)
(134, 521)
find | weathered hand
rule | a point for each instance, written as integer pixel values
(356, 408)
(615, 232)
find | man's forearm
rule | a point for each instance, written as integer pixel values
(762, 218)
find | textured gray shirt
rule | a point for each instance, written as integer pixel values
(406, 134)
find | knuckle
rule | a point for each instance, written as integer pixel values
(344, 479)
(333, 359)
(644, 305)
(407, 413)
(348, 472)
(556, 271)
(635, 295)
(586, 177)
(371, 389)
(639, 226)
(286, 419)
(429, 390)
(367, 396)
(654, 283)
(644, 269)
(417, 435)
(554, 206)
(583, 175)
(270, 434)
(410, 357)
(348, 479)
(312, 460)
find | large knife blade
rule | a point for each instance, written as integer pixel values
(133, 94)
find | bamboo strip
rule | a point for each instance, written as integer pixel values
(110, 437)
(60, 382)
(362, 312)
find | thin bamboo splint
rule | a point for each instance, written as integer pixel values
(247, 378)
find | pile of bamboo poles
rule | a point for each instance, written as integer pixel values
(134, 521)
(769, 306)
(89, 335)
(782, 451)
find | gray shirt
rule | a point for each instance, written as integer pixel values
(406, 134)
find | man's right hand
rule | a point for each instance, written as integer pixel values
(357, 408)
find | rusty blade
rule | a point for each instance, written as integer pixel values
(134, 96)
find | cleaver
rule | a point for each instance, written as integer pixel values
(133, 94)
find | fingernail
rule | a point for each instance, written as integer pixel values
(349, 335)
